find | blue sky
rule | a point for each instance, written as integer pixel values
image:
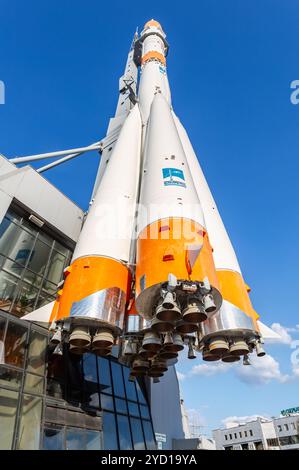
(230, 67)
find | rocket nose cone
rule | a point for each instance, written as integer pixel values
(151, 23)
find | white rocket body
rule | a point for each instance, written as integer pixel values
(151, 200)
(108, 229)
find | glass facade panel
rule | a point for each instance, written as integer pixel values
(53, 438)
(8, 285)
(124, 433)
(15, 342)
(15, 243)
(2, 333)
(28, 261)
(118, 383)
(130, 386)
(62, 249)
(56, 266)
(39, 258)
(107, 402)
(90, 395)
(149, 435)
(137, 434)
(31, 278)
(90, 368)
(133, 409)
(109, 427)
(74, 439)
(10, 377)
(141, 397)
(121, 406)
(49, 288)
(56, 377)
(93, 440)
(43, 299)
(34, 384)
(24, 301)
(104, 375)
(37, 353)
(73, 417)
(144, 412)
(8, 411)
(30, 423)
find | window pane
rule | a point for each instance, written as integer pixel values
(93, 440)
(133, 409)
(8, 409)
(15, 242)
(44, 299)
(104, 375)
(11, 215)
(37, 353)
(10, 377)
(107, 402)
(124, 433)
(15, 344)
(53, 438)
(137, 434)
(149, 435)
(90, 368)
(2, 332)
(8, 284)
(130, 386)
(34, 384)
(31, 228)
(25, 299)
(121, 406)
(118, 383)
(32, 278)
(29, 429)
(55, 388)
(12, 267)
(144, 412)
(56, 267)
(91, 395)
(56, 377)
(65, 251)
(39, 258)
(109, 431)
(75, 439)
(141, 397)
(49, 288)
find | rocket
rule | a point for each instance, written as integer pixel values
(154, 269)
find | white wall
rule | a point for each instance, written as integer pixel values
(40, 197)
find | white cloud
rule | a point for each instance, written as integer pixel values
(232, 421)
(283, 332)
(180, 376)
(211, 368)
(261, 371)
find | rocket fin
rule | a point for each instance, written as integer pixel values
(267, 332)
(40, 315)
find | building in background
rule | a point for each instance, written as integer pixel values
(61, 401)
(274, 434)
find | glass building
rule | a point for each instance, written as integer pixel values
(52, 401)
(31, 264)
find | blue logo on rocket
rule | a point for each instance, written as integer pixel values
(173, 177)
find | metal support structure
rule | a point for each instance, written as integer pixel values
(62, 160)
(59, 153)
